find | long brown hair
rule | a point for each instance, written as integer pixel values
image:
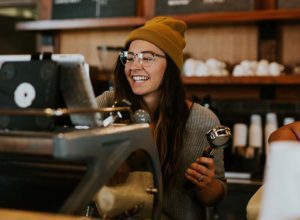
(169, 118)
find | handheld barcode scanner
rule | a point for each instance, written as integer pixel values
(218, 138)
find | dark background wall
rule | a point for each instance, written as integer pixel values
(15, 42)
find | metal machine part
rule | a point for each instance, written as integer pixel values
(96, 154)
(218, 138)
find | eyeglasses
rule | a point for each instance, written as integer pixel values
(146, 58)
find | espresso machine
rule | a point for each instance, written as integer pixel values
(56, 154)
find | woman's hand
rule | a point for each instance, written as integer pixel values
(201, 172)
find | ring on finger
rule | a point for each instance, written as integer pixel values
(200, 178)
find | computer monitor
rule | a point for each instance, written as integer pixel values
(58, 82)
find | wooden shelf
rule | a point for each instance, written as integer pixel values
(230, 80)
(251, 16)
(200, 18)
(89, 23)
(245, 80)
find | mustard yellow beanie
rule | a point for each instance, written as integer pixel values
(166, 33)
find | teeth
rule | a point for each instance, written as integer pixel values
(140, 78)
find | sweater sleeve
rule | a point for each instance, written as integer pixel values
(106, 99)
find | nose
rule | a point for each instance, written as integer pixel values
(136, 64)
(133, 67)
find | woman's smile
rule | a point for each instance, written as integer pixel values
(139, 78)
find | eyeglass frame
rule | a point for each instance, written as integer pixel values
(140, 59)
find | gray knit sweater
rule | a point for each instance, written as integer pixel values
(180, 202)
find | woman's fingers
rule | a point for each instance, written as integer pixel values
(206, 161)
(201, 181)
(201, 172)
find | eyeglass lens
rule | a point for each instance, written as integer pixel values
(144, 58)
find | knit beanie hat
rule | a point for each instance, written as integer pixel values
(166, 33)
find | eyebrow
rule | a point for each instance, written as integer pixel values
(147, 51)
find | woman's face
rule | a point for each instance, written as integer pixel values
(145, 78)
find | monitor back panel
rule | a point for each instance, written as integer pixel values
(28, 85)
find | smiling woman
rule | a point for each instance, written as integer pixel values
(148, 74)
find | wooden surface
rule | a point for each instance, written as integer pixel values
(8, 214)
(191, 19)
(282, 88)
(85, 23)
(86, 42)
(44, 9)
(148, 8)
(290, 44)
(26, 142)
(262, 15)
(229, 43)
(251, 80)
